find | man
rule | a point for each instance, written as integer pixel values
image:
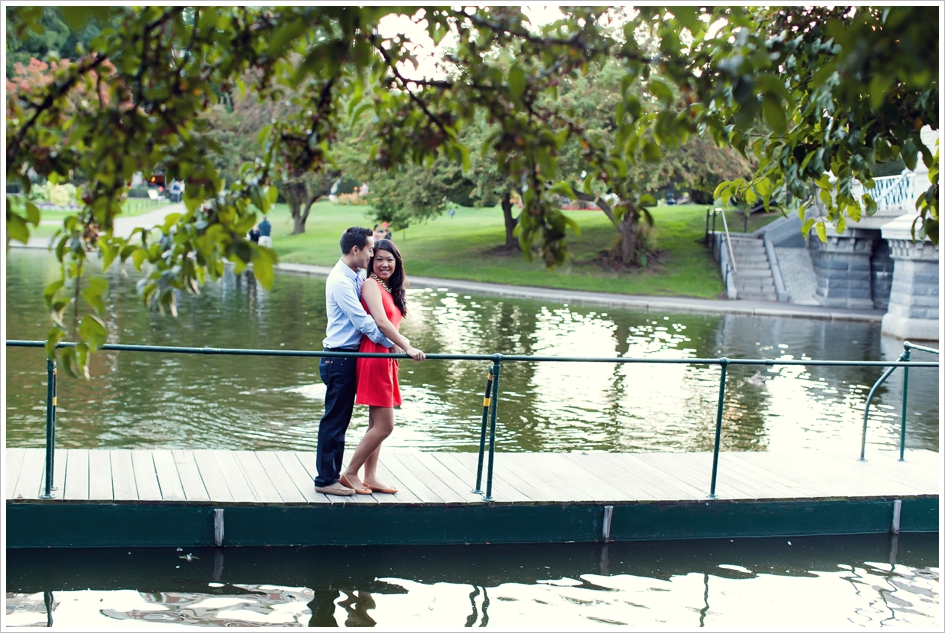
(347, 321)
(265, 233)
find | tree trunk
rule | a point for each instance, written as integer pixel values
(626, 226)
(510, 223)
(295, 194)
(628, 238)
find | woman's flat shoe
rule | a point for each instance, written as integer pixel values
(360, 491)
(386, 491)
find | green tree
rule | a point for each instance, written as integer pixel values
(805, 90)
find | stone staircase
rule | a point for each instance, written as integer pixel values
(753, 281)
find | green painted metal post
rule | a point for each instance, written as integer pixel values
(50, 426)
(869, 399)
(486, 405)
(718, 428)
(495, 405)
(906, 356)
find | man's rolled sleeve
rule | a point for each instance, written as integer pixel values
(351, 306)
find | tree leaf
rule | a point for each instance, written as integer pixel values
(821, 229)
(53, 336)
(16, 228)
(774, 113)
(516, 81)
(910, 154)
(93, 331)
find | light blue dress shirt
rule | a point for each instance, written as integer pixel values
(347, 319)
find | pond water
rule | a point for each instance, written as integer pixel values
(142, 400)
(812, 583)
(146, 400)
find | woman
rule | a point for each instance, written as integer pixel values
(384, 298)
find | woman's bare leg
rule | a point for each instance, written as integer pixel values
(380, 426)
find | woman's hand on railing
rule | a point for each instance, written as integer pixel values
(415, 353)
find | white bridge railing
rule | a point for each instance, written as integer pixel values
(891, 192)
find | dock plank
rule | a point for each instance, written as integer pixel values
(614, 476)
(284, 484)
(60, 460)
(525, 479)
(146, 479)
(77, 475)
(100, 475)
(13, 458)
(307, 460)
(31, 477)
(406, 477)
(167, 476)
(647, 477)
(240, 490)
(212, 476)
(465, 469)
(776, 482)
(294, 469)
(830, 477)
(602, 477)
(190, 480)
(123, 475)
(441, 480)
(384, 476)
(255, 474)
(513, 487)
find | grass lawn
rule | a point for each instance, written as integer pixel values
(460, 247)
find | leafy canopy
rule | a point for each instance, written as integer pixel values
(804, 90)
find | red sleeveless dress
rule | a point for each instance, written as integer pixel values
(377, 377)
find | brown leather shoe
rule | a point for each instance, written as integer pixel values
(335, 489)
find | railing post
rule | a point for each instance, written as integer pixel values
(486, 405)
(869, 399)
(905, 390)
(496, 368)
(718, 428)
(50, 426)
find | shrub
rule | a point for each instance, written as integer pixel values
(351, 198)
(141, 191)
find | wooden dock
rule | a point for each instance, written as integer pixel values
(200, 498)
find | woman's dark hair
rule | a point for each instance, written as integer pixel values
(398, 281)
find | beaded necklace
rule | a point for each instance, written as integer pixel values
(382, 283)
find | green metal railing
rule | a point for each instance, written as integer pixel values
(491, 395)
(904, 357)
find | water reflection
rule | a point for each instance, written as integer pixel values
(139, 400)
(816, 582)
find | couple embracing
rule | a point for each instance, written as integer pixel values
(366, 300)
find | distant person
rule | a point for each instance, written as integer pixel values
(384, 297)
(254, 234)
(175, 191)
(265, 233)
(347, 322)
(381, 232)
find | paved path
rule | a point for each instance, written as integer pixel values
(673, 304)
(124, 226)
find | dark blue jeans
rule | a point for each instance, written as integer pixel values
(340, 378)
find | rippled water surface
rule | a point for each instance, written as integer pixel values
(814, 583)
(144, 400)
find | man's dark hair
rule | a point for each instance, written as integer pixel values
(354, 236)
